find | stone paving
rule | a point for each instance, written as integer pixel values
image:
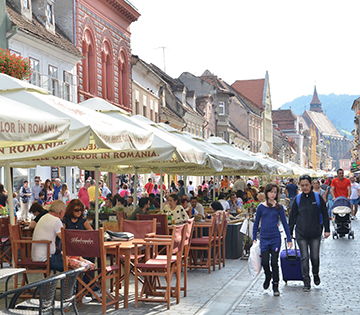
(231, 290)
(338, 292)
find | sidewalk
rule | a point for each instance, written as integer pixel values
(337, 294)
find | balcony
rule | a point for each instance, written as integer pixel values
(66, 90)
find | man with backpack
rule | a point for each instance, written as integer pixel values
(309, 216)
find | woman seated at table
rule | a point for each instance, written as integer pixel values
(185, 204)
(74, 216)
(38, 211)
(217, 206)
(176, 210)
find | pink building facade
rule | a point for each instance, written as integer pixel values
(103, 36)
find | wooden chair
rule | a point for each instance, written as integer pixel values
(91, 244)
(205, 244)
(161, 222)
(154, 268)
(221, 238)
(5, 245)
(140, 229)
(67, 294)
(185, 256)
(45, 289)
(23, 247)
(120, 215)
(111, 226)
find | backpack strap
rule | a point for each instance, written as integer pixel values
(317, 198)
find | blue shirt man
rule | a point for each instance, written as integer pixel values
(291, 190)
(57, 188)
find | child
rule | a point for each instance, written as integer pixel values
(16, 203)
(41, 199)
(270, 239)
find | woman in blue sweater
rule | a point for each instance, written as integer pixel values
(270, 240)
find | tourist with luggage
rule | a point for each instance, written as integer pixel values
(308, 216)
(269, 213)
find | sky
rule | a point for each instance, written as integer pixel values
(300, 43)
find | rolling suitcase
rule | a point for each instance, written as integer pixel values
(290, 262)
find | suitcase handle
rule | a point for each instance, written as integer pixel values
(286, 248)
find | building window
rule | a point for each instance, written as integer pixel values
(26, 4)
(89, 63)
(144, 106)
(54, 80)
(221, 108)
(107, 72)
(67, 86)
(222, 135)
(35, 76)
(49, 13)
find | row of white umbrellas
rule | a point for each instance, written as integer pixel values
(40, 129)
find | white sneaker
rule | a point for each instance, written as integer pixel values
(99, 293)
(86, 299)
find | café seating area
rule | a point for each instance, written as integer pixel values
(154, 259)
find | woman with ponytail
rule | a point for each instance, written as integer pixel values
(269, 213)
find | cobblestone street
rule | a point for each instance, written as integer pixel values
(231, 290)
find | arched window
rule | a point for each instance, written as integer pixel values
(89, 62)
(124, 79)
(107, 71)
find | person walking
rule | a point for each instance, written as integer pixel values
(64, 193)
(25, 195)
(83, 194)
(355, 193)
(291, 191)
(309, 217)
(57, 188)
(48, 190)
(35, 189)
(340, 186)
(269, 213)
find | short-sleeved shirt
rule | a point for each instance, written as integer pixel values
(354, 190)
(292, 190)
(341, 187)
(46, 229)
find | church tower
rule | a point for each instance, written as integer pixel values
(315, 104)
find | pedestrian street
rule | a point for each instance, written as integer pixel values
(338, 292)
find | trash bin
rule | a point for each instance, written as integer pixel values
(233, 241)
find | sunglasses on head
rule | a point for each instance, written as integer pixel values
(305, 177)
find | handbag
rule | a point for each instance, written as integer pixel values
(254, 261)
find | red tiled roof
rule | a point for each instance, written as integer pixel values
(252, 89)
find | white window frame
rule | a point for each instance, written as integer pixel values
(222, 108)
(54, 80)
(35, 75)
(50, 13)
(221, 134)
(68, 78)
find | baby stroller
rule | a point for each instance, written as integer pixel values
(341, 210)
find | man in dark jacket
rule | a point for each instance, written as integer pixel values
(306, 218)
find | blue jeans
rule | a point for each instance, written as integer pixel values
(314, 245)
(56, 262)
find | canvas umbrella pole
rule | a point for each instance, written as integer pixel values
(185, 180)
(214, 187)
(96, 198)
(161, 189)
(135, 188)
(10, 192)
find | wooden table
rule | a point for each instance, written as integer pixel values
(7, 273)
(125, 250)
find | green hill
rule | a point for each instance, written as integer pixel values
(336, 107)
